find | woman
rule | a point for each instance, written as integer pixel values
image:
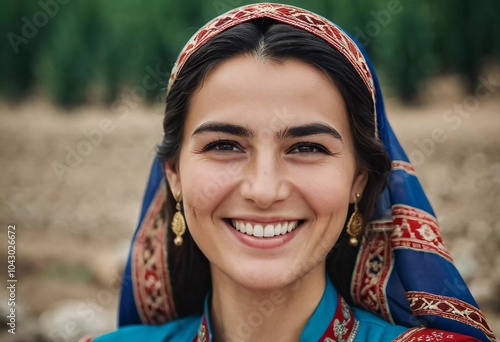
(290, 211)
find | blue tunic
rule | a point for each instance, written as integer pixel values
(368, 327)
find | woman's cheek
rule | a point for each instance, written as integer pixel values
(326, 189)
(207, 183)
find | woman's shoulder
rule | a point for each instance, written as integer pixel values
(373, 328)
(183, 329)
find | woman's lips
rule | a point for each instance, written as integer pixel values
(264, 230)
(258, 235)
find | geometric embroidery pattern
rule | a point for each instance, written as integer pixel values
(432, 335)
(373, 268)
(342, 328)
(151, 280)
(423, 303)
(424, 334)
(410, 228)
(291, 15)
(415, 229)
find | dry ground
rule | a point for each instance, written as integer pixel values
(73, 231)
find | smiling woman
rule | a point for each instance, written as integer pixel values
(305, 221)
(286, 178)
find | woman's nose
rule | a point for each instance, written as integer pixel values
(265, 182)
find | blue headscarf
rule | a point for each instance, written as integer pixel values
(403, 271)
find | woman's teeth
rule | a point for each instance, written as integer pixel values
(264, 230)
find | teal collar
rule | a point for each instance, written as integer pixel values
(332, 320)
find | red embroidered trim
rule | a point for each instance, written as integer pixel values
(423, 303)
(418, 230)
(150, 277)
(291, 15)
(406, 335)
(373, 268)
(203, 332)
(431, 335)
(343, 326)
(410, 228)
(414, 229)
(402, 165)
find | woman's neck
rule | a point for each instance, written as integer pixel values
(242, 314)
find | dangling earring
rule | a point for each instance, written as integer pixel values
(355, 224)
(178, 223)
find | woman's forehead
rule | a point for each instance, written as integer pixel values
(246, 78)
(247, 90)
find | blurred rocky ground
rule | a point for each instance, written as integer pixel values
(72, 183)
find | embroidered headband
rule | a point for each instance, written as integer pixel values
(403, 272)
(286, 14)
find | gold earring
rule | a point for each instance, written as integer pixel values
(178, 223)
(355, 224)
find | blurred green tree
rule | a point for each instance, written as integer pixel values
(80, 51)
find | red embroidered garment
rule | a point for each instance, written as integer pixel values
(343, 327)
(403, 272)
(431, 335)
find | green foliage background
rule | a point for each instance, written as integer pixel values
(91, 50)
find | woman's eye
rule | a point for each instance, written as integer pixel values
(308, 148)
(223, 146)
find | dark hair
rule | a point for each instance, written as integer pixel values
(270, 39)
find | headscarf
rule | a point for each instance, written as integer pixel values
(403, 271)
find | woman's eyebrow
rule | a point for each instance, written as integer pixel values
(222, 127)
(313, 128)
(309, 129)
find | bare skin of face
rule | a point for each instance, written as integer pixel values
(267, 170)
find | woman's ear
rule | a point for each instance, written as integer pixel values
(173, 177)
(359, 182)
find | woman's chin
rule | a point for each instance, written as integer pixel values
(264, 283)
(266, 277)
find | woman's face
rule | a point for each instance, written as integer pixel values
(266, 169)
